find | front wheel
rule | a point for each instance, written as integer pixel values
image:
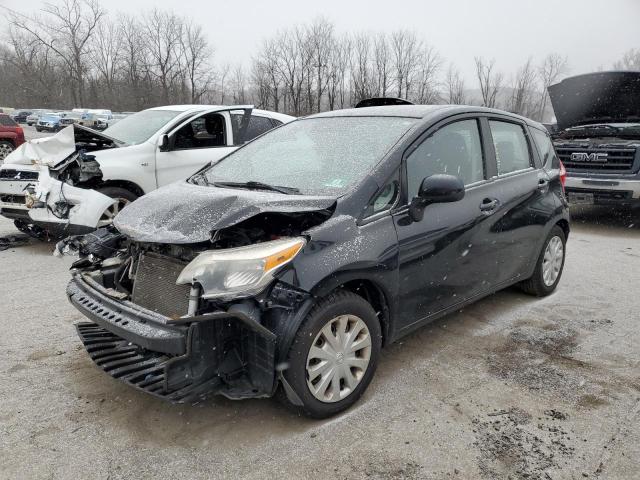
(123, 196)
(549, 266)
(5, 149)
(334, 355)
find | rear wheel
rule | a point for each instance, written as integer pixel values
(123, 196)
(549, 266)
(334, 355)
(5, 149)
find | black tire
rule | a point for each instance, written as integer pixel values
(38, 129)
(5, 149)
(536, 284)
(336, 304)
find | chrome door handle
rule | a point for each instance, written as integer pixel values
(144, 164)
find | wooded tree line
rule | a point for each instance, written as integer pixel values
(73, 53)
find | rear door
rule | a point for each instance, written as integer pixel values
(521, 189)
(449, 256)
(201, 140)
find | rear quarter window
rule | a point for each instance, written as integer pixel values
(545, 149)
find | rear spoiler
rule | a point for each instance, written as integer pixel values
(382, 102)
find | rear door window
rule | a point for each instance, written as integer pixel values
(512, 148)
(257, 126)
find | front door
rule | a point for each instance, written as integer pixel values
(202, 140)
(448, 256)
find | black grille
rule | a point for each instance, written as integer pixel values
(155, 286)
(617, 160)
(140, 368)
(12, 174)
(17, 199)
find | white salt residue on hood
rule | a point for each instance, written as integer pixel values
(47, 151)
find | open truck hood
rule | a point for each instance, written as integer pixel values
(51, 151)
(186, 213)
(601, 97)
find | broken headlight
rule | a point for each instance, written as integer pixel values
(239, 272)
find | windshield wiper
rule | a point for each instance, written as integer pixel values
(252, 185)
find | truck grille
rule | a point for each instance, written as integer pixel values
(155, 286)
(13, 174)
(616, 160)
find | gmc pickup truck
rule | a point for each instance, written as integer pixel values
(598, 137)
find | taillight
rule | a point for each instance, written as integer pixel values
(563, 175)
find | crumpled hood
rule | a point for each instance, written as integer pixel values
(601, 97)
(53, 150)
(186, 213)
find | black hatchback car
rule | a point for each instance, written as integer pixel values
(287, 266)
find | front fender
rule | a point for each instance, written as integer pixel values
(134, 164)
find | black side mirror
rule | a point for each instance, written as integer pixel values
(164, 143)
(438, 188)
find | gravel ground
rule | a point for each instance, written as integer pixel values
(511, 387)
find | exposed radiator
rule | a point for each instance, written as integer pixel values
(155, 286)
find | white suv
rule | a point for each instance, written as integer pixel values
(81, 178)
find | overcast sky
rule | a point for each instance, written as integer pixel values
(592, 33)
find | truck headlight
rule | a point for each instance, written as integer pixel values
(239, 272)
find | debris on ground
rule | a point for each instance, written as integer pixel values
(515, 447)
(11, 241)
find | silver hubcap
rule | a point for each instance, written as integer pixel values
(5, 150)
(552, 261)
(338, 358)
(110, 213)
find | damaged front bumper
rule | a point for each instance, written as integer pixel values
(223, 352)
(32, 192)
(31, 195)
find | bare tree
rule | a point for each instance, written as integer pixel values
(629, 61)
(522, 99)
(106, 56)
(425, 82)
(361, 76)
(553, 66)
(382, 64)
(454, 86)
(338, 67)
(320, 41)
(293, 61)
(490, 81)
(65, 28)
(163, 34)
(196, 54)
(405, 48)
(239, 85)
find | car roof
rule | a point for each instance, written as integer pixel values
(186, 108)
(422, 112)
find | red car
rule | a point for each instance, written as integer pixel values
(11, 136)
